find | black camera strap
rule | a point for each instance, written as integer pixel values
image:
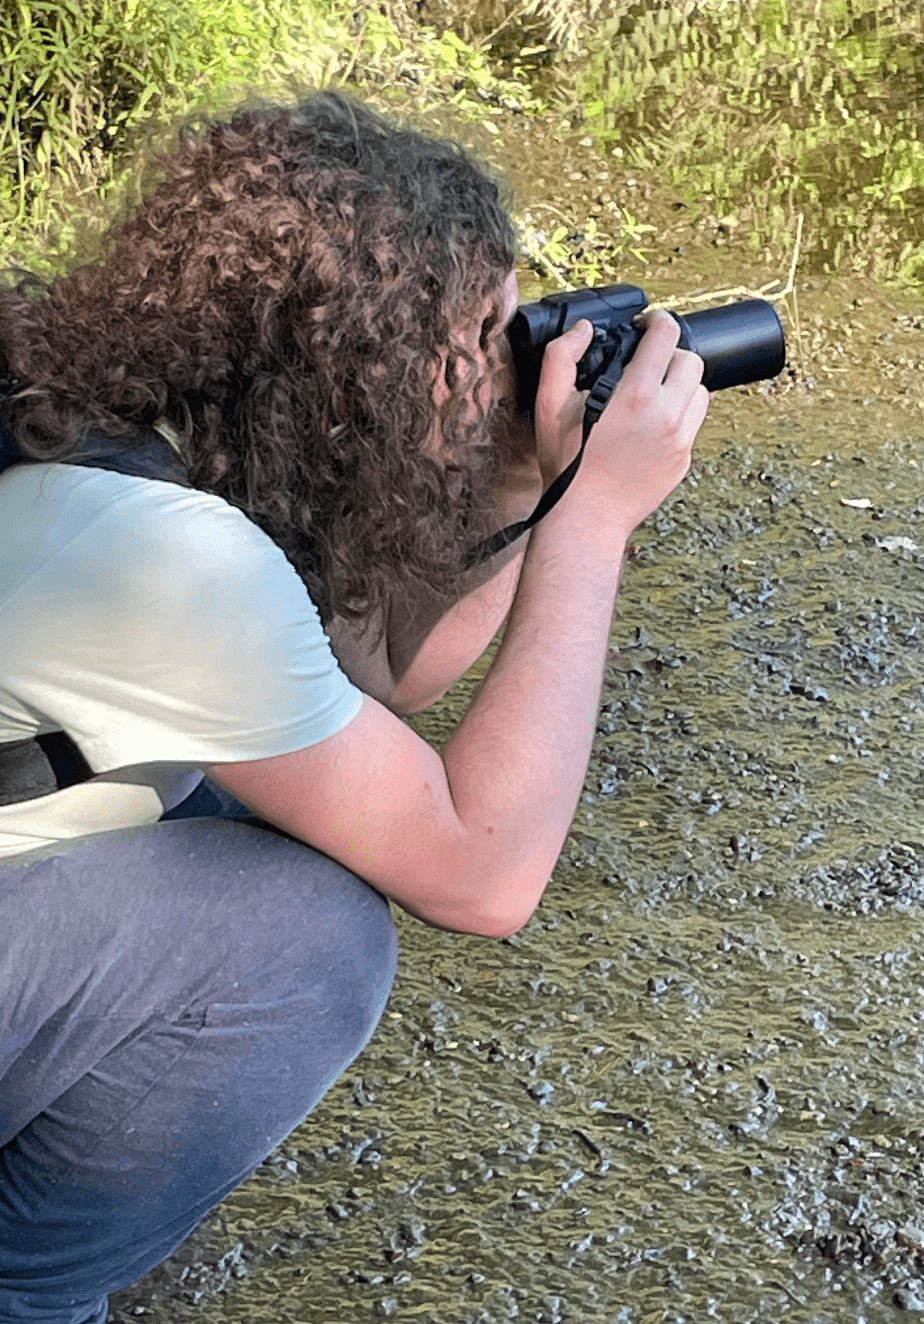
(594, 406)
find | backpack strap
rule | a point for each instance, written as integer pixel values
(31, 768)
(153, 457)
(25, 772)
(9, 451)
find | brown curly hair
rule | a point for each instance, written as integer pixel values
(280, 300)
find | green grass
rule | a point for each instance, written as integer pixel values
(81, 80)
(762, 109)
(772, 108)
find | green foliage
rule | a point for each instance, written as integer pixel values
(395, 56)
(84, 82)
(774, 106)
(79, 79)
(766, 108)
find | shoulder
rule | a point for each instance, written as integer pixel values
(178, 522)
(141, 526)
(152, 551)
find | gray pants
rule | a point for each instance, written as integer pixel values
(174, 999)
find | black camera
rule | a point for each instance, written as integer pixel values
(738, 343)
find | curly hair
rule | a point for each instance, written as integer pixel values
(279, 302)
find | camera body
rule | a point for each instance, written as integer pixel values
(738, 342)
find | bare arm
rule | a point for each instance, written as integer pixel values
(467, 841)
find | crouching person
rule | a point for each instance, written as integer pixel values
(248, 452)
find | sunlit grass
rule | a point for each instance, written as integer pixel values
(762, 109)
(770, 108)
(82, 79)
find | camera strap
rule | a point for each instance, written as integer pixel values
(594, 406)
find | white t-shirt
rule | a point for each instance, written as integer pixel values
(162, 630)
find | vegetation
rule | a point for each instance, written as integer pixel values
(82, 79)
(779, 108)
(767, 110)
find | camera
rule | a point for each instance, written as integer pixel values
(738, 342)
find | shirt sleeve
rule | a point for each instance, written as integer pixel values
(187, 637)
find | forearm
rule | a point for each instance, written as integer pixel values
(517, 761)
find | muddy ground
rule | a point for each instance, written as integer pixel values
(691, 1088)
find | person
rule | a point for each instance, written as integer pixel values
(308, 312)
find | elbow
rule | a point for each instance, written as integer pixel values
(506, 899)
(484, 898)
(508, 930)
(480, 926)
(474, 919)
(501, 921)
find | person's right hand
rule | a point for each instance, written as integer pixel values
(640, 447)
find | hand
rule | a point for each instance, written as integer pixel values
(640, 448)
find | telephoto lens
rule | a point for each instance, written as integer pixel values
(738, 342)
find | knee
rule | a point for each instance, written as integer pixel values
(303, 997)
(316, 942)
(360, 954)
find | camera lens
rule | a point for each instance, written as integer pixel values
(740, 343)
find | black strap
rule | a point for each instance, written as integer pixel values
(39, 766)
(67, 763)
(25, 772)
(9, 450)
(594, 406)
(147, 455)
(151, 457)
(48, 763)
